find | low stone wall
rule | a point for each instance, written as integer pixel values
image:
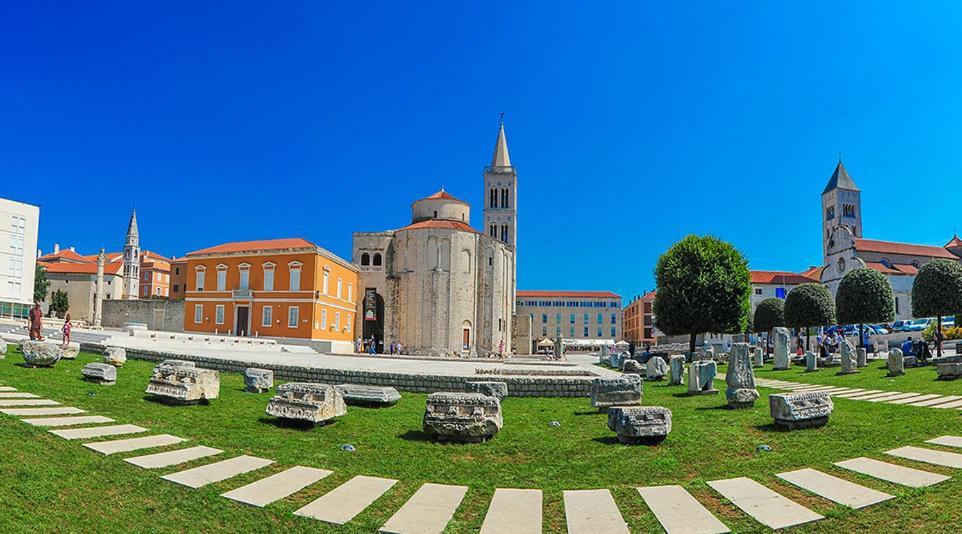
(157, 314)
(518, 386)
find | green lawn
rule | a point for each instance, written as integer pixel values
(915, 379)
(52, 484)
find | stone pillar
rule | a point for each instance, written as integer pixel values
(759, 358)
(677, 371)
(559, 348)
(99, 294)
(862, 357)
(782, 341)
(740, 378)
(849, 365)
(811, 362)
(896, 362)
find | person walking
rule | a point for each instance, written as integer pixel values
(36, 322)
(66, 331)
(372, 349)
(501, 349)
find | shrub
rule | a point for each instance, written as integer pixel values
(937, 290)
(809, 305)
(864, 296)
(768, 314)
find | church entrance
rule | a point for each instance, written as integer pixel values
(373, 323)
(466, 336)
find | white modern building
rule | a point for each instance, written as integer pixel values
(19, 224)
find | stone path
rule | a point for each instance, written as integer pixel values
(930, 456)
(926, 400)
(68, 421)
(17, 395)
(514, 510)
(98, 431)
(28, 402)
(679, 512)
(767, 507)
(277, 486)
(29, 412)
(7, 388)
(593, 512)
(897, 474)
(133, 444)
(341, 504)
(167, 459)
(948, 441)
(199, 477)
(428, 511)
(834, 489)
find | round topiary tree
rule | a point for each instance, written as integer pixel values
(703, 286)
(769, 314)
(809, 305)
(864, 296)
(937, 291)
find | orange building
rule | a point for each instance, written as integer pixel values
(639, 320)
(280, 288)
(178, 278)
(154, 275)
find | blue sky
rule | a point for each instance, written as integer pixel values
(631, 124)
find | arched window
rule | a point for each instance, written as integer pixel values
(377, 259)
(504, 198)
(886, 262)
(916, 264)
(493, 198)
(365, 259)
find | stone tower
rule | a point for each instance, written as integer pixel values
(132, 260)
(501, 201)
(841, 206)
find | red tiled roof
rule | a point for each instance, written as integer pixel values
(146, 254)
(81, 268)
(907, 269)
(778, 277)
(954, 243)
(64, 255)
(650, 296)
(251, 246)
(443, 195)
(907, 249)
(109, 256)
(876, 266)
(577, 294)
(813, 273)
(444, 224)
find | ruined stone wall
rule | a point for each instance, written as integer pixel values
(157, 314)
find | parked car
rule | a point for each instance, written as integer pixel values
(916, 325)
(880, 329)
(898, 326)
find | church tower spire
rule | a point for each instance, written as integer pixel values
(501, 200)
(132, 259)
(841, 206)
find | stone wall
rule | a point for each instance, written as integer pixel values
(521, 334)
(518, 386)
(157, 314)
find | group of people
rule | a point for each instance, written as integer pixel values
(35, 325)
(918, 348)
(369, 346)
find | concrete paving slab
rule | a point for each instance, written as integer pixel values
(834, 489)
(945, 459)
(33, 412)
(98, 431)
(946, 406)
(27, 402)
(936, 403)
(948, 441)
(428, 511)
(897, 474)
(859, 394)
(882, 395)
(914, 399)
(679, 512)
(198, 477)
(133, 444)
(277, 486)
(767, 507)
(593, 512)
(68, 421)
(341, 504)
(18, 395)
(169, 458)
(886, 398)
(7, 388)
(518, 511)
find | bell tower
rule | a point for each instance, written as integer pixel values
(841, 206)
(132, 260)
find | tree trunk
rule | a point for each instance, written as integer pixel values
(938, 339)
(808, 339)
(861, 335)
(691, 346)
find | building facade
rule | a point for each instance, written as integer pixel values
(280, 288)
(178, 278)
(131, 259)
(841, 206)
(500, 214)
(639, 320)
(19, 225)
(76, 275)
(154, 275)
(594, 315)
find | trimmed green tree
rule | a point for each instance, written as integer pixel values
(809, 306)
(59, 303)
(864, 296)
(703, 286)
(40, 284)
(937, 291)
(769, 314)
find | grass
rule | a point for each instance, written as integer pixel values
(915, 380)
(53, 484)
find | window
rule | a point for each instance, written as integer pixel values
(219, 314)
(614, 318)
(830, 213)
(147, 276)
(557, 318)
(221, 278)
(504, 233)
(614, 334)
(544, 331)
(886, 262)
(269, 278)
(557, 331)
(544, 317)
(323, 319)
(896, 305)
(325, 279)
(758, 291)
(245, 278)
(600, 319)
(347, 323)
(296, 278)
(572, 318)
(176, 288)
(504, 198)
(585, 319)
(599, 331)
(267, 316)
(365, 259)
(176, 270)
(337, 321)
(198, 313)
(493, 230)
(493, 198)
(339, 284)
(200, 280)
(377, 259)
(293, 316)
(571, 331)
(350, 292)
(158, 290)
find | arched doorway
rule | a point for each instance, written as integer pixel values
(373, 318)
(466, 336)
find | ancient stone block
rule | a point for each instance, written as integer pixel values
(861, 357)
(640, 424)
(758, 357)
(740, 378)
(181, 382)
(701, 378)
(783, 340)
(378, 395)
(115, 356)
(616, 359)
(302, 401)
(677, 370)
(949, 371)
(631, 367)
(621, 391)
(258, 380)
(3, 349)
(100, 373)
(800, 410)
(71, 351)
(40, 354)
(656, 368)
(896, 362)
(811, 362)
(465, 417)
(849, 364)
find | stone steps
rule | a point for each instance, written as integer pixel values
(33, 412)
(930, 456)
(133, 444)
(766, 506)
(343, 503)
(834, 489)
(514, 510)
(199, 477)
(593, 512)
(5, 403)
(679, 512)
(896, 474)
(169, 458)
(68, 421)
(277, 486)
(98, 431)
(428, 511)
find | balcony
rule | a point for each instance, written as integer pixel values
(241, 294)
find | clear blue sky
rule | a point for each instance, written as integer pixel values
(631, 125)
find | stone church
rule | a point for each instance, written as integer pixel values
(439, 286)
(844, 248)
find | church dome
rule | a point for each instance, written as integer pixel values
(442, 206)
